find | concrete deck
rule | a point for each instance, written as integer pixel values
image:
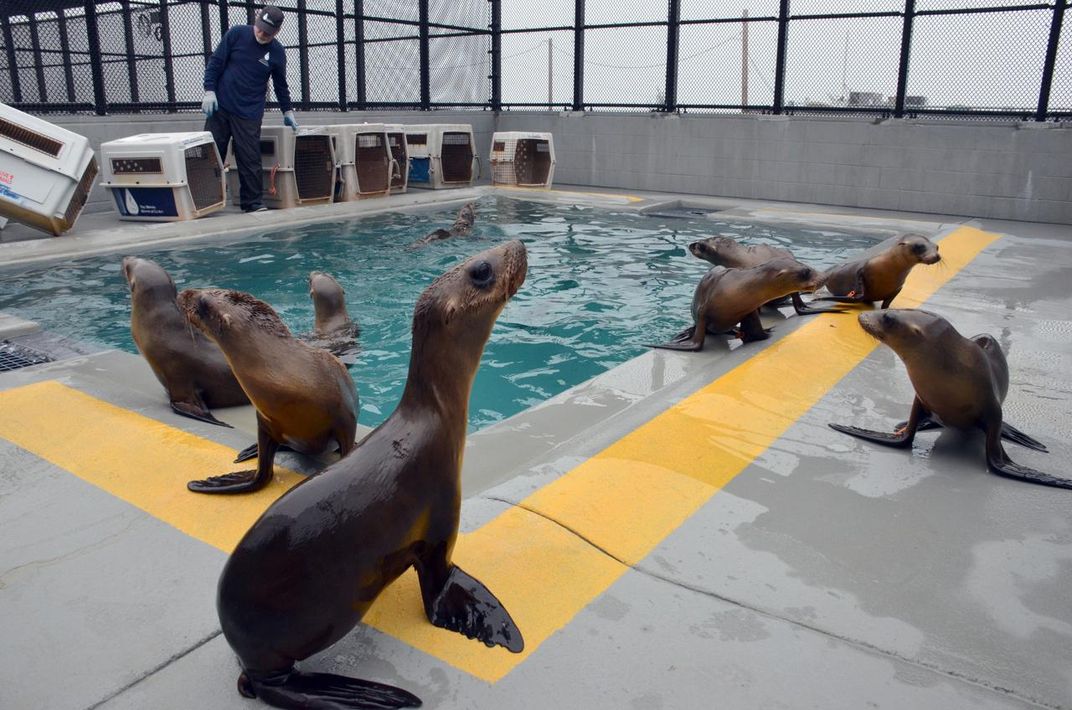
(682, 531)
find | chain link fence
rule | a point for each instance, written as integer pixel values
(1009, 58)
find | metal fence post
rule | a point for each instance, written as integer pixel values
(496, 55)
(303, 54)
(65, 47)
(673, 32)
(225, 18)
(426, 89)
(779, 62)
(12, 63)
(206, 33)
(906, 50)
(1051, 60)
(578, 56)
(340, 53)
(359, 53)
(169, 61)
(128, 38)
(96, 67)
(39, 61)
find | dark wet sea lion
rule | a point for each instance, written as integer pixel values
(312, 565)
(959, 383)
(304, 396)
(880, 272)
(724, 251)
(726, 297)
(192, 369)
(462, 226)
(333, 330)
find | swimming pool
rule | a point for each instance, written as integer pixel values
(601, 284)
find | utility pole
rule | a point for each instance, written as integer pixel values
(550, 73)
(744, 59)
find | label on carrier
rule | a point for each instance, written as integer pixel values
(145, 201)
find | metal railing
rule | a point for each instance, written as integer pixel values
(1005, 58)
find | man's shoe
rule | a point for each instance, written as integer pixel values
(262, 208)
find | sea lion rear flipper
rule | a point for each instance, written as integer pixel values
(1008, 431)
(901, 438)
(197, 410)
(804, 309)
(998, 462)
(465, 605)
(689, 340)
(302, 690)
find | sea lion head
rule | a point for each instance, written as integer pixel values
(919, 249)
(903, 329)
(790, 275)
(147, 279)
(463, 303)
(709, 249)
(467, 213)
(219, 313)
(329, 300)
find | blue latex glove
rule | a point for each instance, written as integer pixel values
(289, 120)
(209, 104)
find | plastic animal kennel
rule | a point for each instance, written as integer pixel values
(524, 159)
(363, 160)
(46, 172)
(298, 167)
(163, 177)
(441, 155)
(396, 143)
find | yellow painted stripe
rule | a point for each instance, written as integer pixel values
(626, 499)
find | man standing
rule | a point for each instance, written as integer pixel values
(238, 70)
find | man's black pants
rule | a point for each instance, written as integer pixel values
(246, 134)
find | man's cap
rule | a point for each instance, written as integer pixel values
(269, 20)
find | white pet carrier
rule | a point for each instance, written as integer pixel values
(46, 172)
(298, 167)
(363, 159)
(396, 143)
(524, 159)
(441, 155)
(164, 177)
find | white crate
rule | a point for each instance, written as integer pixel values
(163, 177)
(522, 158)
(441, 155)
(46, 172)
(298, 167)
(396, 143)
(363, 159)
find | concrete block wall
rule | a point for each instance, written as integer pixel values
(1008, 170)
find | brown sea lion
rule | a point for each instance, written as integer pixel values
(192, 369)
(304, 396)
(333, 330)
(312, 565)
(462, 226)
(959, 382)
(880, 272)
(724, 251)
(726, 297)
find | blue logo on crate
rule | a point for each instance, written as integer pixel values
(145, 202)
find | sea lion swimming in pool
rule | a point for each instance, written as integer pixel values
(312, 565)
(462, 226)
(726, 297)
(880, 272)
(193, 370)
(333, 330)
(959, 382)
(724, 251)
(304, 396)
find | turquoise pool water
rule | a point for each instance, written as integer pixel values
(601, 284)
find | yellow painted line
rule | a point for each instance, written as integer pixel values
(626, 499)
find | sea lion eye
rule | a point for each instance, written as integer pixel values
(481, 274)
(887, 319)
(805, 274)
(919, 248)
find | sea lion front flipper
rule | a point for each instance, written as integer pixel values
(196, 410)
(305, 690)
(889, 299)
(250, 452)
(1008, 431)
(926, 423)
(465, 605)
(998, 462)
(244, 481)
(901, 438)
(804, 309)
(752, 328)
(689, 340)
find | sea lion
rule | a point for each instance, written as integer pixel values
(724, 251)
(462, 226)
(312, 565)
(304, 396)
(192, 369)
(726, 297)
(959, 383)
(333, 330)
(880, 272)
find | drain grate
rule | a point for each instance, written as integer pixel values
(14, 357)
